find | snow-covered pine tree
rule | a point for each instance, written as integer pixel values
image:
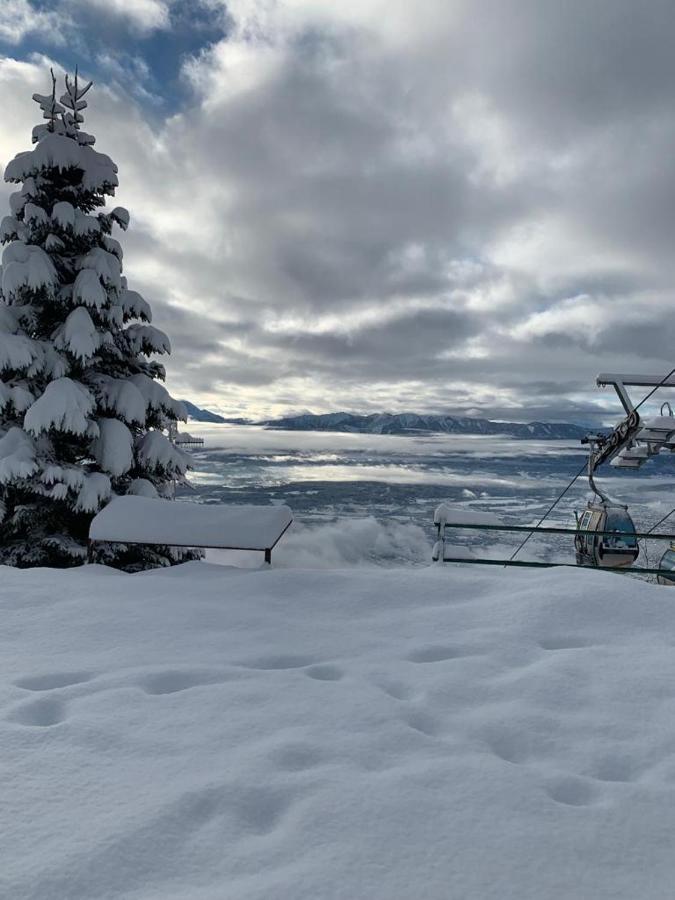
(82, 409)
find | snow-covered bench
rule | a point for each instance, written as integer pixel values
(143, 520)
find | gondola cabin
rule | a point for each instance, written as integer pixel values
(668, 564)
(610, 551)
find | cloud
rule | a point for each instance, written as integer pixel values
(431, 206)
(19, 19)
(66, 19)
(145, 15)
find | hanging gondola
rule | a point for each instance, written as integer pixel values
(631, 444)
(617, 550)
(667, 566)
(605, 535)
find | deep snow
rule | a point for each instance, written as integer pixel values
(205, 732)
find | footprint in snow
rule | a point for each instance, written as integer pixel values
(520, 744)
(564, 643)
(172, 681)
(52, 680)
(42, 713)
(511, 746)
(571, 791)
(256, 810)
(260, 810)
(325, 672)
(437, 653)
(297, 756)
(395, 689)
(615, 768)
(273, 663)
(423, 722)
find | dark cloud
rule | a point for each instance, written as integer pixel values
(442, 206)
(398, 349)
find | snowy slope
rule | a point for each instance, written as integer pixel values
(212, 733)
(197, 414)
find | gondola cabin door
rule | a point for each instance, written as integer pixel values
(586, 542)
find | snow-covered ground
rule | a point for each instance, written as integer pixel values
(437, 733)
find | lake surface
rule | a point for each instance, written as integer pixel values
(369, 499)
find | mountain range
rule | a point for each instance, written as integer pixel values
(197, 414)
(400, 423)
(413, 423)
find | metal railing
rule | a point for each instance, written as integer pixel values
(548, 529)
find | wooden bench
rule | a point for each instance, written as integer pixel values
(143, 520)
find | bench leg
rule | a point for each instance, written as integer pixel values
(268, 557)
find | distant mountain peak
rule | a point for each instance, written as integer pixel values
(417, 423)
(197, 414)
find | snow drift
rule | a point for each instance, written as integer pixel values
(205, 732)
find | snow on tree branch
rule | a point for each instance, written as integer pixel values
(82, 415)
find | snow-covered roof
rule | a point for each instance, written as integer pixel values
(184, 524)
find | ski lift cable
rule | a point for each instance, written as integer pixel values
(661, 521)
(644, 399)
(655, 388)
(548, 511)
(579, 473)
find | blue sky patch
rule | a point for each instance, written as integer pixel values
(110, 47)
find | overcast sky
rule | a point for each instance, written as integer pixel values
(439, 205)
